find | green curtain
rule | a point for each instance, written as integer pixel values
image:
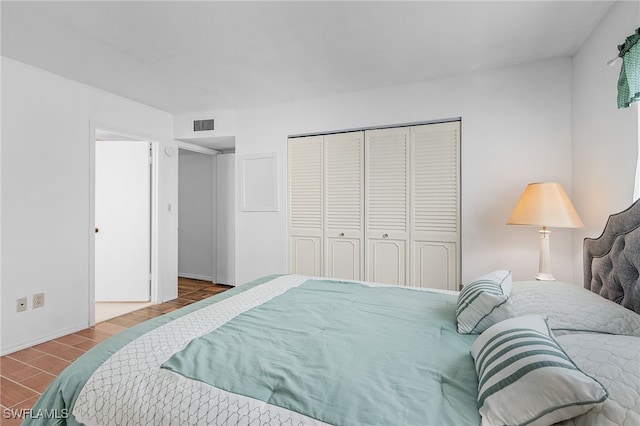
(629, 81)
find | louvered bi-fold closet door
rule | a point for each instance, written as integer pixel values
(387, 205)
(435, 205)
(344, 205)
(305, 205)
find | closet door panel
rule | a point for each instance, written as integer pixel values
(306, 255)
(305, 205)
(387, 204)
(435, 205)
(343, 258)
(387, 261)
(434, 264)
(344, 204)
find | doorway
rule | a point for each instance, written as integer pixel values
(122, 211)
(197, 215)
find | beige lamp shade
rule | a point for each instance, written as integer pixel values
(545, 204)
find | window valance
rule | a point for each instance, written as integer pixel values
(629, 81)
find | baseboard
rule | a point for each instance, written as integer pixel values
(42, 339)
(195, 277)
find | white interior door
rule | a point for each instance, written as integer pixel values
(305, 205)
(387, 205)
(435, 205)
(123, 221)
(344, 201)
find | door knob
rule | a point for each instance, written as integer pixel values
(385, 235)
(97, 230)
(341, 234)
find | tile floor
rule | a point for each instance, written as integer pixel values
(25, 374)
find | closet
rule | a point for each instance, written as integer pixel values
(377, 205)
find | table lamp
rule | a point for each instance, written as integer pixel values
(546, 205)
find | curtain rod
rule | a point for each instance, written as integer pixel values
(388, 126)
(629, 42)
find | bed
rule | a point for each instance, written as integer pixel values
(297, 350)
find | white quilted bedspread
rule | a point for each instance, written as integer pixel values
(615, 362)
(570, 309)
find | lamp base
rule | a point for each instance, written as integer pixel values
(541, 276)
(544, 266)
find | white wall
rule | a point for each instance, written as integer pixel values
(226, 217)
(196, 215)
(46, 121)
(605, 138)
(516, 129)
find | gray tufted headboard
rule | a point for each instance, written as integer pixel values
(612, 261)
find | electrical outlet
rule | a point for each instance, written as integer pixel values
(38, 300)
(21, 304)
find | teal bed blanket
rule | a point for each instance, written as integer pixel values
(284, 350)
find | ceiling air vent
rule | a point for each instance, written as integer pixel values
(202, 125)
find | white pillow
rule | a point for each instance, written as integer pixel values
(572, 309)
(484, 302)
(524, 377)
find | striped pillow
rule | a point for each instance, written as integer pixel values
(484, 302)
(525, 378)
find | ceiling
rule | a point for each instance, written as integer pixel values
(208, 55)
